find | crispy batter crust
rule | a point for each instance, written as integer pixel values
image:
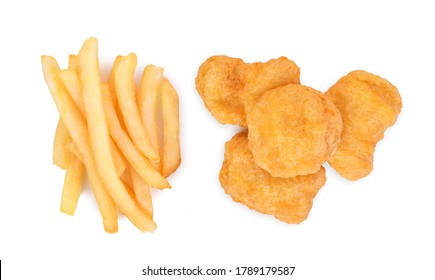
(293, 130)
(229, 86)
(368, 104)
(288, 199)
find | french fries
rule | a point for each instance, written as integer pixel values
(102, 131)
(99, 136)
(126, 93)
(171, 134)
(77, 129)
(111, 84)
(149, 92)
(138, 162)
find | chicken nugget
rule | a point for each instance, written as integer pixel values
(293, 130)
(369, 105)
(288, 199)
(229, 86)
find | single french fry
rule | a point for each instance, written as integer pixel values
(125, 89)
(77, 129)
(99, 136)
(71, 80)
(72, 186)
(61, 155)
(171, 129)
(137, 161)
(111, 81)
(148, 97)
(142, 192)
(114, 98)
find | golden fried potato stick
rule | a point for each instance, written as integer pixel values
(148, 96)
(137, 161)
(111, 83)
(287, 199)
(99, 135)
(171, 129)
(72, 186)
(61, 155)
(126, 92)
(142, 192)
(369, 105)
(229, 86)
(77, 129)
(75, 169)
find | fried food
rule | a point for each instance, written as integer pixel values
(125, 89)
(369, 105)
(137, 161)
(293, 130)
(77, 128)
(171, 129)
(147, 101)
(229, 86)
(288, 199)
(99, 133)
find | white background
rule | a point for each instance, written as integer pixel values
(380, 227)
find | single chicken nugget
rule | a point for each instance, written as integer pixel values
(368, 104)
(288, 199)
(229, 86)
(293, 130)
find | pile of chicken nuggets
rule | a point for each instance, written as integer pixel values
(274, 165)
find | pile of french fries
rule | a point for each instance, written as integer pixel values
(111, 130)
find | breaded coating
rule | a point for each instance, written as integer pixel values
(293, 130)
(288, 199)
(368, 104)
(229, 86)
